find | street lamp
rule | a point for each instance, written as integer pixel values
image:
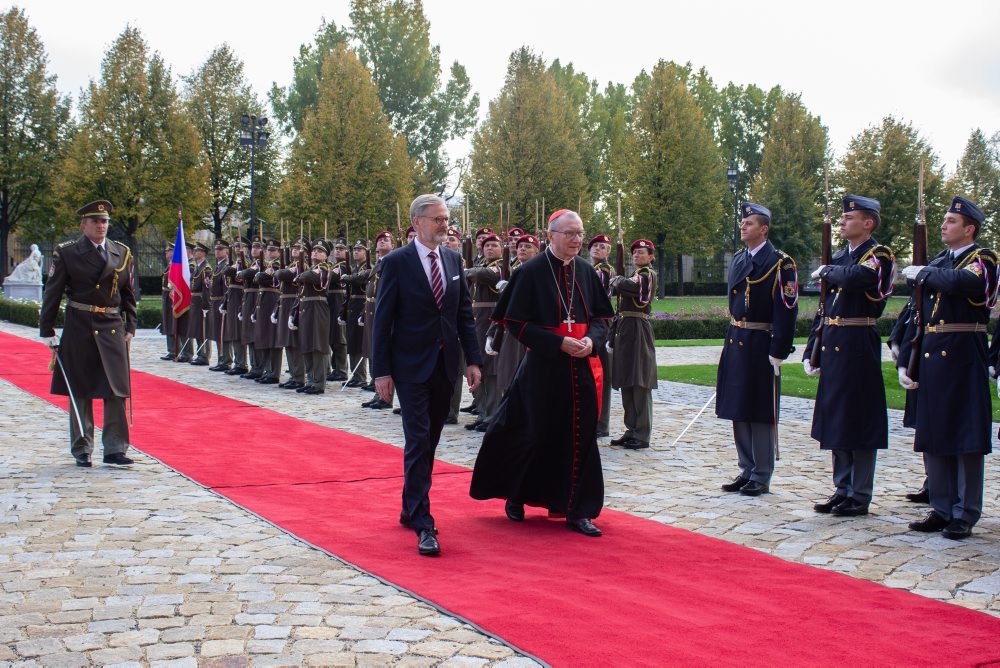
(733, 176)
(253, 135)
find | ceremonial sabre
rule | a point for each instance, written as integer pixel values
(710, 400)
(356, 367)
(128, 364)
(72, 399)
(777, 393)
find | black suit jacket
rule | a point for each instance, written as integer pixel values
(409, 329)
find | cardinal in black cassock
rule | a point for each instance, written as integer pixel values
(541, 447)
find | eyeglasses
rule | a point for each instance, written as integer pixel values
(440, 220)
(570, 234)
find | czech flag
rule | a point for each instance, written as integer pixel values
(179, 274)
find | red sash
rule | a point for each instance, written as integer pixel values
(578, 330)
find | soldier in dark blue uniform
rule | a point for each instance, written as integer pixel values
(763, 305)
(850, 414)
(952, 407)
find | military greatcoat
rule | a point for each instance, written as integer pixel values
(633, 344)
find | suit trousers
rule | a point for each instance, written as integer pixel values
(456, 393)
(424, 409)
(955, 485)
(338, 343)
(171, 345)
(185, 347)
(203, 349)
(316, 364)
(271, 362)
(114, 435)
(239, 355)
(854, 473)
(755, 448)
(296, 365)
(638, 404)
(226, 353)
(256, 360)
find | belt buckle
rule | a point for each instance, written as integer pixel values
(835, 321)
(99, 309)
(739, 323)
(932, 329)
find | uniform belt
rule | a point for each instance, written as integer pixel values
(634, 314)
(110, 310)
(245, 290)
(744, 324)
(217, 299)
(849, 322)
(337, 292)
(288, 296)
(236, 287)
(956, 327)
(483, 304)
(267, 289)
(357, 296)
(313, 299)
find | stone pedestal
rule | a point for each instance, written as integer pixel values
(23, 290)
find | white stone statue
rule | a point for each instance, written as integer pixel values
(29, 271)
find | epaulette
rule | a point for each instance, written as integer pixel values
(742, 250)
(119, 243)
(647, 270)
(987, 253)
(66, 243)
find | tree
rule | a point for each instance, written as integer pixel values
(135, 146)
(290, 104)
(790, 180)
(977, 177)
(675, 176)
(393, 42)
(216, 95)
(34, 124)
(347, 166)
(528, 148)
(883, 162)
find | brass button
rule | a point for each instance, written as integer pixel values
(730, 340)
(944, 353)
(98, 286)
(927, 354)
(836, 349)
(741, 343)
(95, 332)
(734, 292)
(942, 322)
(112, 331)
(823, 348)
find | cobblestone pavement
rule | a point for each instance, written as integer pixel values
(144, 566)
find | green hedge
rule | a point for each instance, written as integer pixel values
(715, 328)
(26, 313)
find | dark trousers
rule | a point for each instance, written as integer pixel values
(955, 485)
(854, 473)
(755, 447)
(425, 407)
(115, 431)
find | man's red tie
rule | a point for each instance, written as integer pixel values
(437, 285)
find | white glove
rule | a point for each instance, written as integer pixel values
(912, 271)
(993, 372)
(818, 271)
(894, 351)
(501, 285)
(607, 346)
(222, 310)
(810, 371)
(776, 364)
(341, 321)
(253, 317)
(905, 381)
(51, 341)
(489, 346)
(291, 325)
(274, 318)
(361, 321)
(239, 316)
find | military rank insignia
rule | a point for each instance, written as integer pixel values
(870, 262)
(975, 267)
(789, 289)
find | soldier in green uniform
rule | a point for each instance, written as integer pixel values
(168, 327)
(483, 282)
(288, 313)
(634, 370)
(232, 330)
(353, 314)
(265, 320)
(97, 276)
(314, 319)
(384, 244)
(197, 323)
(246, 278)
(599, 249)
(454, 242)
(216, 307)
(336, 296)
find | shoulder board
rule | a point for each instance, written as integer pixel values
(644, 270)
(882, 251)
(119, 243)
(987, 254)
(742, 250)
(66, 243)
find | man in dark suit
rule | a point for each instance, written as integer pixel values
(97, 277)
(423, 318)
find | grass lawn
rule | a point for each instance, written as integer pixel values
(683, 343)
(719, 305)
(795, 382)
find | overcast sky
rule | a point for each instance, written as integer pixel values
(935, 64)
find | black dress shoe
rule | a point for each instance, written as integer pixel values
(920, 496)
(337, 376)
(482, 427)
(754, 488)
(219, 367)
(251, 375)
(199, 363)
(397, 411)
(368, 404)
(83, 461)
(427, 543)
(933, 522)
(828, 505)
(168, 357)
(236, 371)
(380, 405)
(183, 360)
(467, 409)
(370, 387)
(584, 526)
(449, 420)
(267, 380)
(302, 389)
(353, 383)
(118, 459)
(957, 530)
(737, 484)
(294, 385)
(472, 425)
(312, 389)
(514, 511)
(635, 444)
(850, 508)
(619, 441)
(602, 434)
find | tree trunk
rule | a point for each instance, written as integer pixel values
(661, 267)
(680, 275)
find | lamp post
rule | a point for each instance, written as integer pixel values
(253, 135)
(733, 176)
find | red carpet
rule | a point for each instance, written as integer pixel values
(644, 594)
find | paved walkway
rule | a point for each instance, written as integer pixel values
(145, 566)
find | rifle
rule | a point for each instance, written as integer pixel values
(467, 244)
(399, 229)
(620, 259)
(505, 254)
(826, 254)
(919, 258)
